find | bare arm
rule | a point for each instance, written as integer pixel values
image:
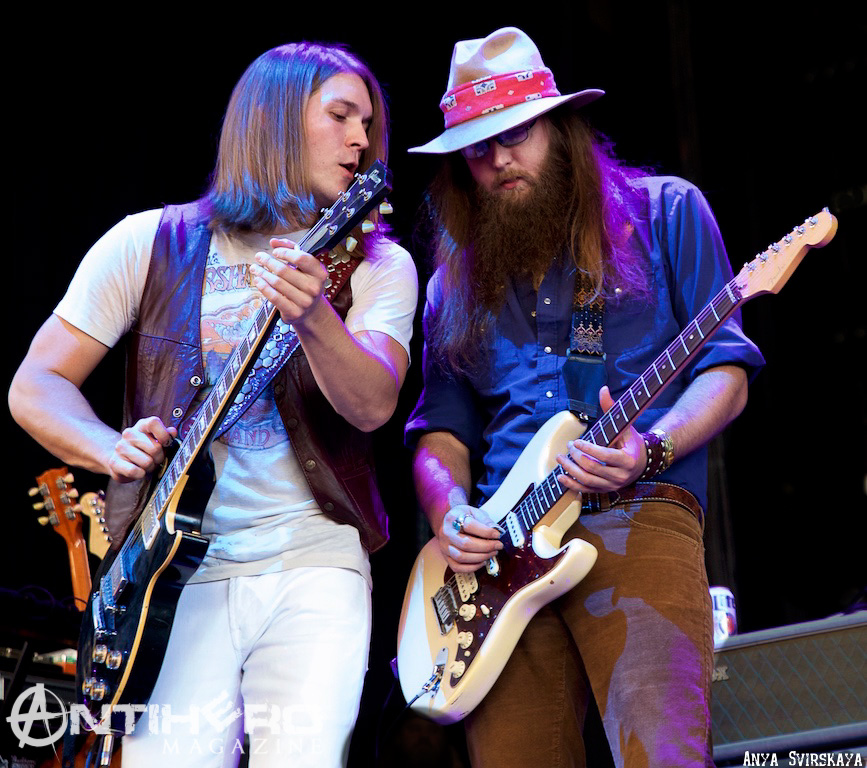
(441, 469)
(45, 399)
(361, 374)
(711, 401)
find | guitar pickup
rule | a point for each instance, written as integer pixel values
(113, 584)
(516, 530)
(467, 584)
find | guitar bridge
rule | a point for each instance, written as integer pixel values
(447, 604)
(445, 608)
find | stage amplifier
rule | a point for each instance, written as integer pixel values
(801, 687)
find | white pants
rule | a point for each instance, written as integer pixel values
(281, 657)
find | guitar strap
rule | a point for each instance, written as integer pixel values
(584, 370)
(283, 341)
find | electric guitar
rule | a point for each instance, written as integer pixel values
(132, 606)
(457, 631)
(59, 500)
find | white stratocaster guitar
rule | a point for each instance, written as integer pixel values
(457, 631)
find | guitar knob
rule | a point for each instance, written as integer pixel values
(457, 668)
(467, 611)
(465, 639)
(87, 686)
(98, 690)
(114, 660)
(100, 652)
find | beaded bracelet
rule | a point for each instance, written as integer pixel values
(660, 452)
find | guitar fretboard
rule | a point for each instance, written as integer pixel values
(230, 385)
(640, 394)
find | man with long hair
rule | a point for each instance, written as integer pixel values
(561, 275)
(271, 633)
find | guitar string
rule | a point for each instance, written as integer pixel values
(266, 314)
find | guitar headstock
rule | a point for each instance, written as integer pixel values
(350, 208)
(769, 271)
(92, 505)
(59, 499)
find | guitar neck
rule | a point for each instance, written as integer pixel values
(676, 356)
(766, 273)
(640, 394)
(335, 223)
(54, 486)
(79, 570)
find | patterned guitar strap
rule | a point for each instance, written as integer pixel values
(283, 341)
(584, 370)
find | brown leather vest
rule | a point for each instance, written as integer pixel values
(165, 370)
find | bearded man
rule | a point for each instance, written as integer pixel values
(561, 275)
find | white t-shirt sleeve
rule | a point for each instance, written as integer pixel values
(384, 294)
(104, 296)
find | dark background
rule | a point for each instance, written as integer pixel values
(764, 110)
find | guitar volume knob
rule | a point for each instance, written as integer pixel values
(457, 668)
(114, 660)
(465, 639)
(100, 652)
(98, 690)
(467, 611)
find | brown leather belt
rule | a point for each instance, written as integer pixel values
(638, 492)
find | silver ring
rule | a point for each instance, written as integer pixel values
(459, 523)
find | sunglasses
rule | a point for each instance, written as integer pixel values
(506, 139)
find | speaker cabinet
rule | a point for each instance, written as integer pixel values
(802, 687)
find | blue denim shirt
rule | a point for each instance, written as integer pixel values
(496, 412)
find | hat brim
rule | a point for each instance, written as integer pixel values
(483, 127)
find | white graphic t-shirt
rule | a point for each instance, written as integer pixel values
(262, 515)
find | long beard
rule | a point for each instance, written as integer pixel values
(518, 236)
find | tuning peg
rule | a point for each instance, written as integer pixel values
(39, 505)
(385, 208)
(367, 226)
(32, 491)
(43, 520)
(351, 242)
(68, 477)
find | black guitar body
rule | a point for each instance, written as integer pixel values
(129, 616)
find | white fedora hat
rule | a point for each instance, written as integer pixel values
(495, 84)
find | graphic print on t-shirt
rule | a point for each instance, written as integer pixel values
(229, 303)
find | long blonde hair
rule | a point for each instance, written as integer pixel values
(259, 183)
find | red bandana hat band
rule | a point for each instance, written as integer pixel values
(496, 92)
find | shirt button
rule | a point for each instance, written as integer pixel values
(549, 393)
(196, 381)
(547, 300)
(178, 412)
(310, 464)
(548, 350)
(533, 313)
